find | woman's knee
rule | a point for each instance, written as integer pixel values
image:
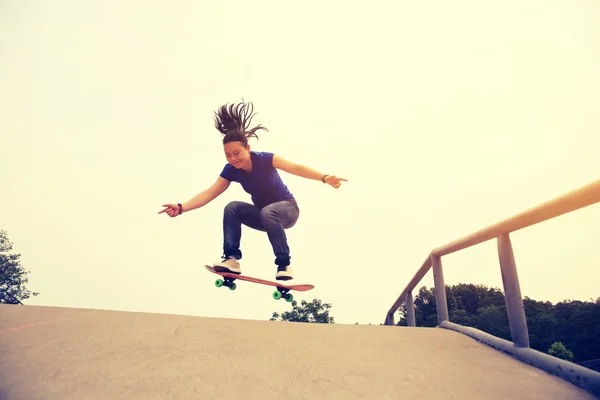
(269, 216)
(274, 214)
(233, 206)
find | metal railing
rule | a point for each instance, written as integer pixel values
(519, 347)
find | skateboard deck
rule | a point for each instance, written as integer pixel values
(281, 292)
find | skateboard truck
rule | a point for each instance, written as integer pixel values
(278, 294)
(228, 282)
(282, 292)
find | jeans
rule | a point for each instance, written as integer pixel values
(273, 219)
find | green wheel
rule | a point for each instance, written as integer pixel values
(233, 286)
(277, 295)
(289, 298)
(219, 283)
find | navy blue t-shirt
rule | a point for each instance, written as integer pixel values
(263, 183)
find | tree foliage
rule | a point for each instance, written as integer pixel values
(573, 324)
(559, 350)
(314, 312)
(12, 275)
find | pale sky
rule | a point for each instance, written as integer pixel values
(444, 117)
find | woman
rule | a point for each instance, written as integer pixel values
(274, 208)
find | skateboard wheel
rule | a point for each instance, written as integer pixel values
(277, 295)
(233, 286)
(289, 298)
(219, 283)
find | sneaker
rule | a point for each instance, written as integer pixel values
(284, 273)
(231, 265)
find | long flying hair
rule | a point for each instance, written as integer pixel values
(233, 121)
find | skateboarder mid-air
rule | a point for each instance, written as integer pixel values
(273, 207)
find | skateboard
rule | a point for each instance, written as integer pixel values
(281, 292)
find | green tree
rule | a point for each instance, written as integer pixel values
(12, 275)
(465, 301)
(471, 298)
(425, 307)
(403, 315)
(494, 320)
(559, 350)
(314, 312)
(542, 324)
(461, 317)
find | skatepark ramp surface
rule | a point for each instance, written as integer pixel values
(70, 353)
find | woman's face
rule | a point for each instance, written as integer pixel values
(236, 154)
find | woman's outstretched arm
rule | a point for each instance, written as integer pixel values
(200, 200)
(306, 172)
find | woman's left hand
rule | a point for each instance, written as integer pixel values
(335, 181)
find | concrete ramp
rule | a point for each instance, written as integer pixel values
(64, 353)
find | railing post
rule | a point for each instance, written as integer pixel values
(440, 289)
(410, 309)
(389, 319)
(512, 293)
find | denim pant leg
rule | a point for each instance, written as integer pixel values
(237, 213)
(275, 218)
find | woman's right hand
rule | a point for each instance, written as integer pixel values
(172, 210)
